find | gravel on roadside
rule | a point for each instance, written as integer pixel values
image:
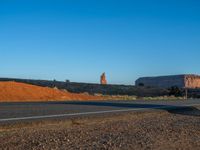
(133, 130)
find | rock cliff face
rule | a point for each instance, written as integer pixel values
(181, 81)
(192, 81)
(103, 79)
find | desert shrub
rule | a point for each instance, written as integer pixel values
(141, 84)
(174, 90)
(67, 81)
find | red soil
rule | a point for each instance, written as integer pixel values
(17, 92)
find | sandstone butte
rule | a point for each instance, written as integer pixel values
(18, 92)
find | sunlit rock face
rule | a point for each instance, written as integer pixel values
(103, 79)
(181, 81)
(192, 81)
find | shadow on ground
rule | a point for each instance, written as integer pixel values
(188, 111)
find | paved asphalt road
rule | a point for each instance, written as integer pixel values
(43, 110)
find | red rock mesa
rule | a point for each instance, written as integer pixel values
(103, 79)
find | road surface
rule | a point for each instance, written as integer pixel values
(45, 110)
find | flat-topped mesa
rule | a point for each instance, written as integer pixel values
(103, 79)
(181, 81)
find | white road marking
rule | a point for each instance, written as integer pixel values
(67, 115)
(90, 113)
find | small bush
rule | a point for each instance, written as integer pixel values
(175, 91)
(141, 84)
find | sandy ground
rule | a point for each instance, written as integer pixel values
(136, 130)
(18, 92)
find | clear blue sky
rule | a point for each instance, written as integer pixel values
(80, 39)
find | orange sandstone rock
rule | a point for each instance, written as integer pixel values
(103, 79)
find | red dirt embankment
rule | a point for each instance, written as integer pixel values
(18, 92)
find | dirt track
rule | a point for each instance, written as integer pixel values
(144, 130)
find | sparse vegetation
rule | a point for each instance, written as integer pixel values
(175, 91)
(127, 97)
(163, 98)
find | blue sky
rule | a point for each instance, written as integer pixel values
(78, 40)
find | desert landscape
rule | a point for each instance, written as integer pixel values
(99, 75)
(65, 120)
(11, 91)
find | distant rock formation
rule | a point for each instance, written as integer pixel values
(181, 81)
(103, 79)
